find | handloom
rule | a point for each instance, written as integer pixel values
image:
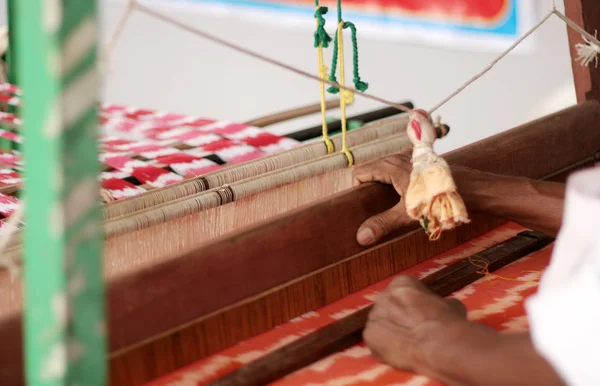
(173, 308)
(167, 307)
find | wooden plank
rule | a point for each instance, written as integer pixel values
(586, 13)
(64, 315)
(301, 242)
(347, 331)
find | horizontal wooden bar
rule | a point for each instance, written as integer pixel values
(292, 114)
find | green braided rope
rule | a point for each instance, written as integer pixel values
(334, 61)
(358, 84)
(321, 36)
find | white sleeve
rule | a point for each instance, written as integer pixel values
(565, 326)
(564, 315)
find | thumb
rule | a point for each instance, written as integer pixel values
(457, 307)
(381, 225)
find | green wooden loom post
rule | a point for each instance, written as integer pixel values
(10, 57)
(56, 42)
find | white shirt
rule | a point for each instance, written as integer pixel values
(564, 315)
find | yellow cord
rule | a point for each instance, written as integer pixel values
(483, 264)
(323, 75)
(346, 97)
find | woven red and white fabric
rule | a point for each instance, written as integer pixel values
(143, 149)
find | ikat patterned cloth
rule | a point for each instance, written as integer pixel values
(494, 300)
(143, 149)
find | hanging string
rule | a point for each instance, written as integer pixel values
(110, 47)
(577, 28)
(358, 83)
(336, 85)
(322, 39)
(491, 65)
(483, 266)
(264, 58)
(587, 52)
(274, 62)
(346, 97)
(334, 60)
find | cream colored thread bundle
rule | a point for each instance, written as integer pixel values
(195, 211)
(492, 64)
(248, 187)
(366, 135)
(230, 174)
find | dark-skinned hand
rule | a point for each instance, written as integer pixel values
(393, 170)
(407, 320)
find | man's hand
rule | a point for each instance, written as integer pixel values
(408, 322)
(393, 170)
(412, 329)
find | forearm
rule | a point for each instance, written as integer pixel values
(535, 204)
(481, 356)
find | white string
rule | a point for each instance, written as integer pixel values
(577, 28)
(264, 58)
(134, 5)
(491, 65)
(112, 43)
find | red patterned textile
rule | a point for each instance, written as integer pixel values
(494, 301)
(143, 149)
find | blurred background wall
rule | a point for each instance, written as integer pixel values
(158, 66)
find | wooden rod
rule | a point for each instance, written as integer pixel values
(291, 114)
(335, 126)
(348, 330)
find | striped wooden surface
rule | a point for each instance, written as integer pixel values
(493, 301)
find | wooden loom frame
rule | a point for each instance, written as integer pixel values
(41, 273)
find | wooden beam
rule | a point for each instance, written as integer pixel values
(586, 13)
(291, 114)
